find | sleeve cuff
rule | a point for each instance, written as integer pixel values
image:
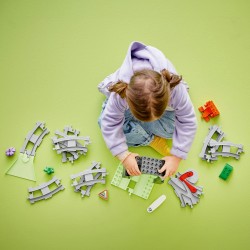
(119, 149)
(179, 153)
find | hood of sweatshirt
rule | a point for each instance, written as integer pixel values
(140, 51)
(137, 51)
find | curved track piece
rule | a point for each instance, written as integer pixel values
(44, 189)
(34, 139)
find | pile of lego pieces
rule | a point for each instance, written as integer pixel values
(213, 143)
(184, 188)
(68, 144)
(88, 178)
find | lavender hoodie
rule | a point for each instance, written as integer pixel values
(140, 56)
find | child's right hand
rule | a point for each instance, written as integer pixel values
(130, 164)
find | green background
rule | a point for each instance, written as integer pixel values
(52, 56)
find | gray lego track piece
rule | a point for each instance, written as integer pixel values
(87, 191)
(182, 191)
(71, 130)
(223, 154)
(87, 172)
(65, 136)
(88, 179)
(220, 135)
(64, 157)
(226, 146)
(35, 139)
(94, 165)
(89, 183)
(75, 155)
(44, 188)
(65, 144)
(226, 149)
(72, 149)
(69, 144)
(71, 138)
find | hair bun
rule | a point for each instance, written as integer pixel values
(172, 79)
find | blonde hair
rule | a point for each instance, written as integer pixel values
(148, 93)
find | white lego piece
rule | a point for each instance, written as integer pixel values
(156, 203)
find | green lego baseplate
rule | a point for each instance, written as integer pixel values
(143, 184)
(226, 172)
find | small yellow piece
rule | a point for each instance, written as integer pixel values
(159, 144)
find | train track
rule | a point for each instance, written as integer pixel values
(45, 190)
(34, 139)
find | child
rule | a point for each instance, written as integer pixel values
(147, 103)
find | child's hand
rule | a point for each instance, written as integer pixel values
(171, 164)
(130, 164)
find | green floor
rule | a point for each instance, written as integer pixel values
(52, 56)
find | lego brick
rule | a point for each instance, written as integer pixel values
(10, 151)
(226, 172)
(104, 194)
(49, 170)
(149, 165)
(143, 187)
(209, 111)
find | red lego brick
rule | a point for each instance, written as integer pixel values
(209, 110)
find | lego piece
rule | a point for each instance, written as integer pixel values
(45, 190)
(185, 176)
(210, 150)
(88, 178)
(10, 151)
(104, 194)
(86, 192)
(34, 139)
(143, 183)
(23, 166)
(209, 111)
(151, 166)
(68, 144)
(226, 172)
(187, 194)
(226, 149)
(49, 170)
(156, 203)
(213, 131)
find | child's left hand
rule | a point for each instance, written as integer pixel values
(171, 164)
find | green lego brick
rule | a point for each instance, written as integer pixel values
(142, 185)
(226, 172)
(49, 170)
